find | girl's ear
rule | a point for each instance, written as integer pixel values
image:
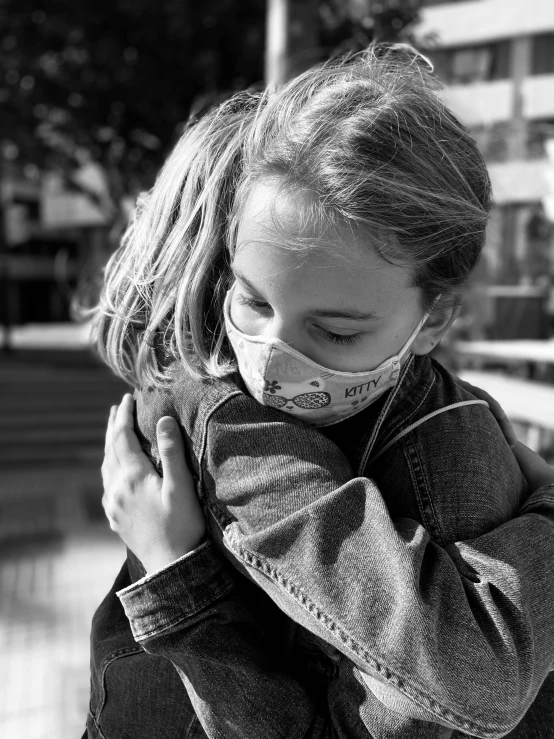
(435, 327)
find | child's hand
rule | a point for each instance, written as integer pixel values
(159, 519)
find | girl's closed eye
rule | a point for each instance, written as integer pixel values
(345, 339)
(251, 303)
(262, 305)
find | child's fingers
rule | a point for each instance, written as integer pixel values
(109, 430)
(172, 452)
(125, 442)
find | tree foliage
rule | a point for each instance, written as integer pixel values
(353, 24)
(110, 81)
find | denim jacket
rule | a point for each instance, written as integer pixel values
(403, 615)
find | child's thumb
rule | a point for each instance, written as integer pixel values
(172, 452)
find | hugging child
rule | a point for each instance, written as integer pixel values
(279, 292)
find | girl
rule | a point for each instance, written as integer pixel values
(319, 239)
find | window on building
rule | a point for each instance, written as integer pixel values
(481, 63)
(513, 261)
(542, 58)
(469, 64)
(538, 132)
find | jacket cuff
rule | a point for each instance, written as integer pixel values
(162, 600)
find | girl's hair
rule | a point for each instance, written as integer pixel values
(367, 137)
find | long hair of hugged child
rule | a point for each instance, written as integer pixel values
(367, 135)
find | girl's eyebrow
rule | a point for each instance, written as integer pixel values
(350, 314)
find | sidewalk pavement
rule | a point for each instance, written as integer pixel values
(58, 557)
(49, 591)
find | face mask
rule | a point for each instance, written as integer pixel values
(278, 376)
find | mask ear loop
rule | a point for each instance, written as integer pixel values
(417, 329)
(382, 416)
(395, 390)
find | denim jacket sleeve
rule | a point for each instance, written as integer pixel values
(414, 618)
(193, 613)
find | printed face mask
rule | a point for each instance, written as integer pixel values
(278, 376)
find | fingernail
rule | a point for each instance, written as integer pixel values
(166, 425)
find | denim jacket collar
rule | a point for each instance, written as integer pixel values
(378, 423)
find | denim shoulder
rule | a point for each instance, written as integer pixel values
(191, 402)
(455, 472)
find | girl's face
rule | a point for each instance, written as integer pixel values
(344, 308)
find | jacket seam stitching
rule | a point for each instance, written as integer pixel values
(97, 726)
(204, 444)
(422, 489)
(110, 659)
(528, 507)
(424, 419)
(413, 692)
(368, 459)
(183, 617)
(401, 421)
(193, 720)
(148, 578)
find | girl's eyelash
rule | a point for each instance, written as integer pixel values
(347, 339)
(243, 300)
(329, 335)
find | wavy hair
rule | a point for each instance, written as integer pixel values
(368, 137)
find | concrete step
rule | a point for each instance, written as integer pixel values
(34, 387)
(26, 483)
(22, 455)
(54, 408)
(99, 387)
(44, 357)
(76, 435)
(28, 418)
(49, 500)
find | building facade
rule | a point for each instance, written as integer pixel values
(496, 59)
(51, 239)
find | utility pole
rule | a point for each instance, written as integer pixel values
(292, 43)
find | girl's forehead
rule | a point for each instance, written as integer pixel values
(281, 255)
(280, 216)
(274, 212)
(273, 208)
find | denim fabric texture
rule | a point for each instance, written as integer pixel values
(405, 613)
(132, 690)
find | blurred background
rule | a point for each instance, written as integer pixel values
(93, 95)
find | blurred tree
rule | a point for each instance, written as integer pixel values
(108, 81)
(304, 32)
(353, 24)
(96, 89)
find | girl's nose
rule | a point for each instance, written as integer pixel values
(286, 331)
